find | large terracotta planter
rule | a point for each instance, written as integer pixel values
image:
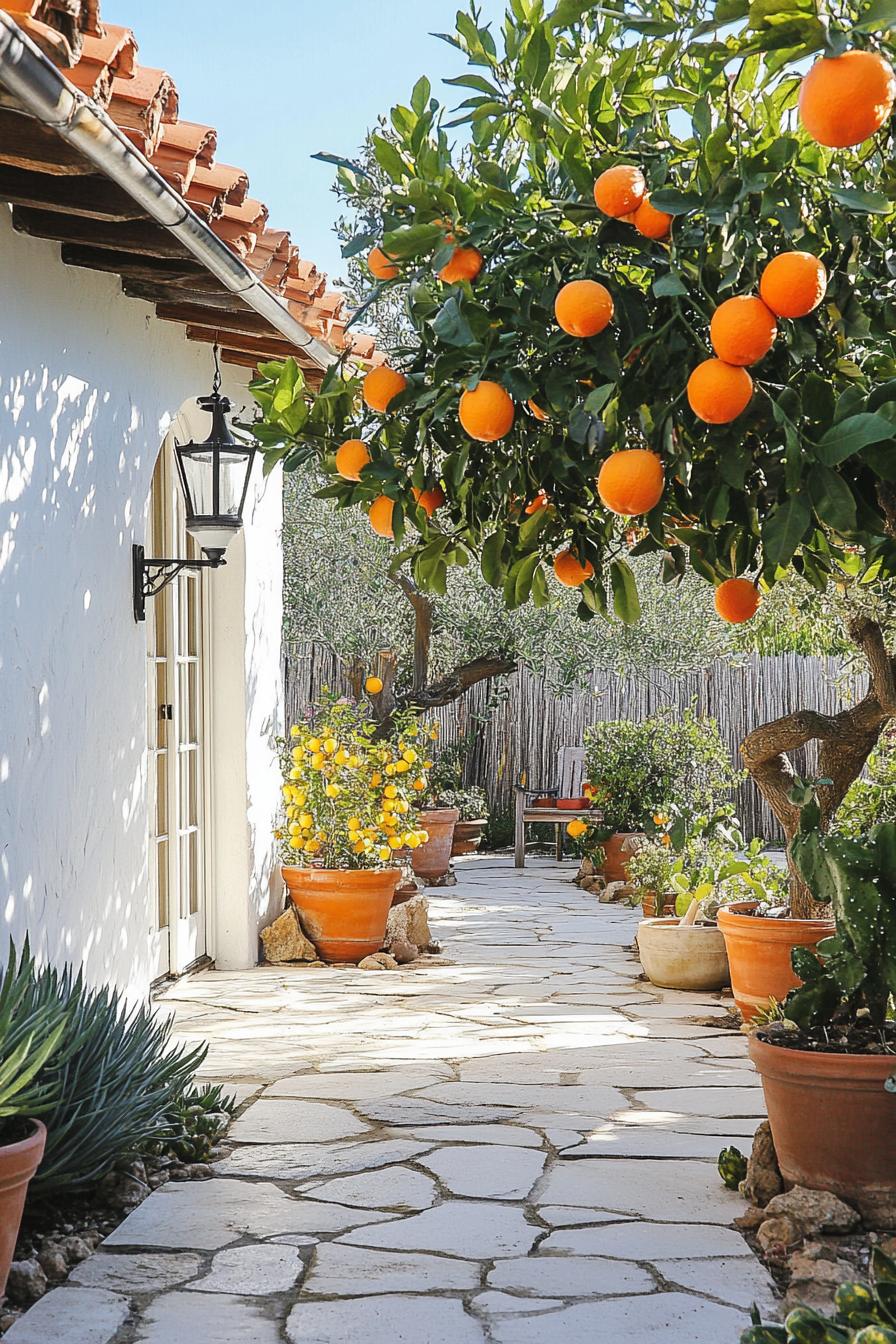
(617, 854)
(467, 837)
(677, 956)
(432, 860)
(759, 953)
(18, 1163)
(833, 1123)
(344, 911)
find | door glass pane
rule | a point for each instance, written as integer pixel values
(162, 883)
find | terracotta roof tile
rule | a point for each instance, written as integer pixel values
(141, 104)
(103, 59)
(101, 62)
(221, 184)
(183, 146)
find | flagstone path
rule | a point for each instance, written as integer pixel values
(515, 1141)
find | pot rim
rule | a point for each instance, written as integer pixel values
(826, 1064)
(360, 873)
(36, 1138)
(440, 814)
(740, 918)
(673, 921)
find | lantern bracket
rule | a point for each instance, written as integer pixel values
(152, 576)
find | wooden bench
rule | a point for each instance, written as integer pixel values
(570, 772)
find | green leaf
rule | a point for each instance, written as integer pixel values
(784, 529)
(831, 499)
(626, 602)
(675, 202)
(879, 15)
(450, 325)
(492, 564)
(669, 285)
(412, 241)
(851, 435)
(866, 202)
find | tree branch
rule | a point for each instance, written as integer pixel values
(423, 612)
(451, 687)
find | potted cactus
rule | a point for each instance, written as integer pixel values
(27, 1041)
(828, 1063)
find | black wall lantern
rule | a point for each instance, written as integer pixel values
(215, 480)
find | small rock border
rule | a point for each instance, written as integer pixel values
(811, 1240)
(53, 1241)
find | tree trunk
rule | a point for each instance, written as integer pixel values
(845, 742)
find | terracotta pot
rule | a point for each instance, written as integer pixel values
(432, 860)
(649, 905)
(544, 802)
(833, 1123)
(759, 953)
(18, 1163)
(344, 911)
(682, 957)
(467, 836)
(574, 804)
(616, 857)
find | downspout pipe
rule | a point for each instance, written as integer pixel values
(42, 90)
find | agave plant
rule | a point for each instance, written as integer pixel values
(30, 1035)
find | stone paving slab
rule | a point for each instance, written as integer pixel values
(512, 1143)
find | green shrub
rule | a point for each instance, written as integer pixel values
(500, 831)
(107, 1087)
(871, 800)
(642, 770)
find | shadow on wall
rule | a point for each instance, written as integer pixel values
(74, 467)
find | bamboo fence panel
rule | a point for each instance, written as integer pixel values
(522, 724)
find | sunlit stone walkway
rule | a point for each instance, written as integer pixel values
(512, 1142)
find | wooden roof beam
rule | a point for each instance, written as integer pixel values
(91, 196)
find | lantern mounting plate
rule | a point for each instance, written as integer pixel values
(151, 576)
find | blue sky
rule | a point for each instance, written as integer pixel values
(291, 78)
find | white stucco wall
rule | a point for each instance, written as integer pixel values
(88, 383)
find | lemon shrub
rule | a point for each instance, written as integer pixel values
(352, 800)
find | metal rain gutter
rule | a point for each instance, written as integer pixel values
(45, 93)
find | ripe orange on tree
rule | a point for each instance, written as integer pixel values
(380, 515)
(793, 284)
(429, 500)
(719, 392)
(631, 482)
(486, 412)
(541, 501)
(465, 264)
(373, 685)
(845, 99)
(583, 308)
(576, 829)
(650, 222)
(743, 330)
(620, 190)
(381, 266)
(381, 385)
(737, 600)
(569, 569)
(351, 457)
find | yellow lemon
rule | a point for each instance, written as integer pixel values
(384, 852)
(359, 847)
(419, 785)
(390, 791)
(317, 760)
(354, 823)
(296, 842)
(402, 767)
(395, 842)
(287, 790)
(295, 774)
(313, 744)
(332, 790)
(576, 828)
(306, 819)
(375, 779)
(410, 756)
(300, 797)
(297, 754)
(294, 730)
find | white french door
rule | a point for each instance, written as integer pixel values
(176, 626)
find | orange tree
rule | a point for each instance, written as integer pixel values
(648, 310)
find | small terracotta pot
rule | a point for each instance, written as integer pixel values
(617, 855)
(833, 1124)
(544, 801)
(432, 860)
(650, 903)
(467, 837)
(759, 953)
(573, 804)
(18, 1163)
(344, 911)
(677, 956)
